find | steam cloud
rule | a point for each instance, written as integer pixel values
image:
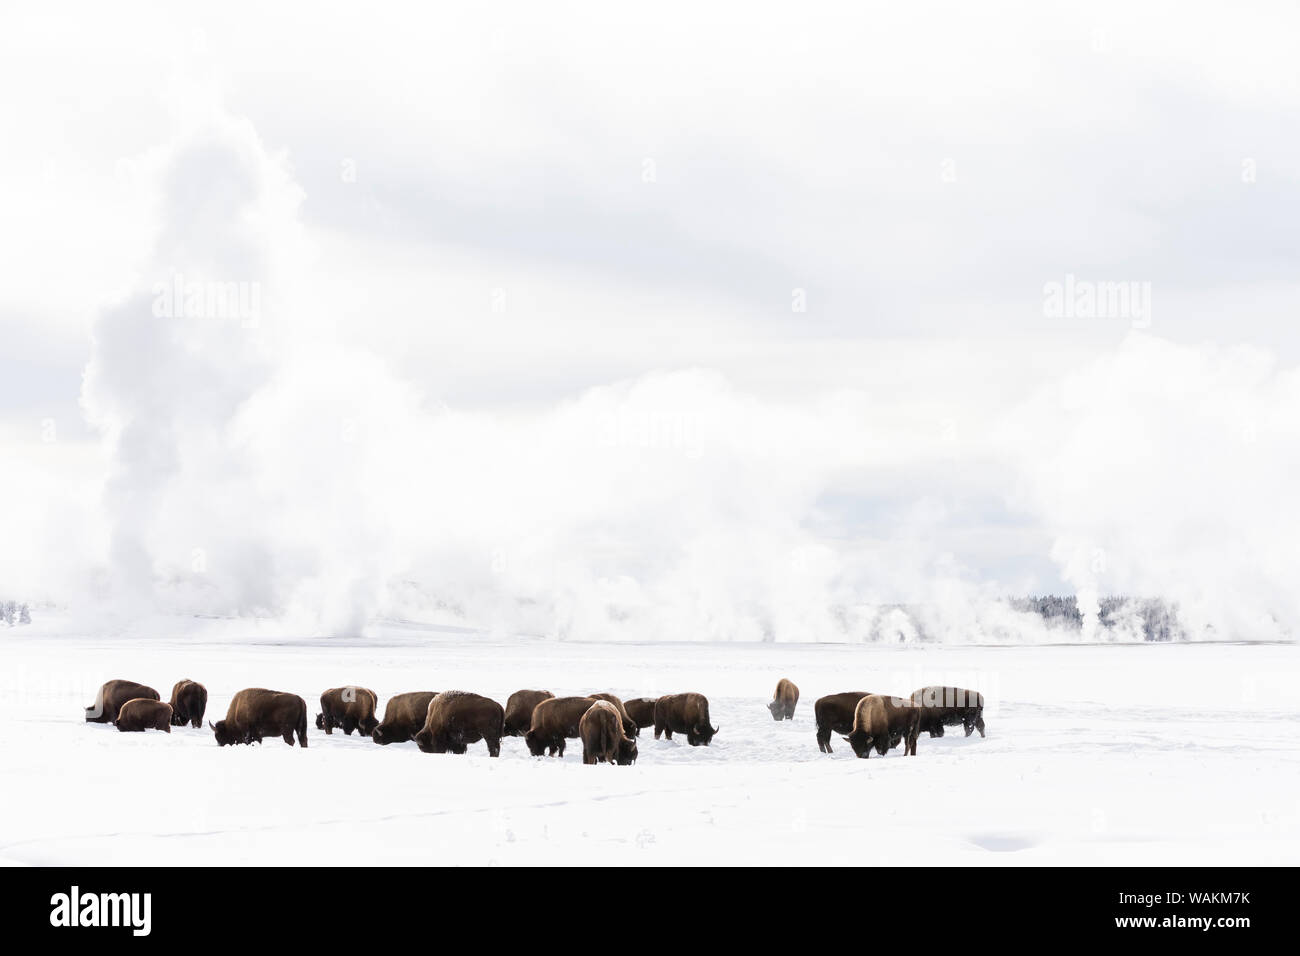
(258, 469)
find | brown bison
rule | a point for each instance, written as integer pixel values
(404, 717)
(519, 710)
(834, 714)
(456, 719)
(351, 708)
(881, 722)
(145, 714)
(641, 710)
(603, 736)
(554, 721)
(684, 714)
(950, 706)
(629, 725)
(112, 696)
(255, 713)
(783, 701)
(189, 703)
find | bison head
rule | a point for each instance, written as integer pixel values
(627, 754)
(536, 745)
(225, 735)
(701, 736)
(424, 740)
(369, 725)
(320, 721)
(860, 741)
(778, 709)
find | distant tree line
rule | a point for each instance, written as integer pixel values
(1157, 619)
(12, 613)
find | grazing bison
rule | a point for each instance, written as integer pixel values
(351, 708)
(145, 714)
(950, 706)
(641, 710)
(554, 721)
(255, 713)
(684, 714)
(783, 701)
(404, 717)
(519, 710)
(603, 736)
(189, 702)
(112, 696)
(629, 725)
(881, 722)
(834, 714)
(456, 719)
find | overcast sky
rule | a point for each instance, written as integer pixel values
(700, 224)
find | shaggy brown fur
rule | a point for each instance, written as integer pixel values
(145, 714)
(603, 737)
(783, 701)
(189, 703)
(555, 721)
(256, 712)
(881, 722)
(834, 714)
(950, 706)
(519, 710)
(641, 710)
(403, 717)
(350, 708)
(684, 714)
(112, 696)
(457, 718)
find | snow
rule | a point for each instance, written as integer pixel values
(1096, 754)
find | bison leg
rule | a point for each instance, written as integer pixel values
(494, 746)
(824, 739)
(979, 725)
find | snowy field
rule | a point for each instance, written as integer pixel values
(1103, 754)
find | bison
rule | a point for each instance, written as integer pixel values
(629, 725)
(834, 714)
(403, 717)
(641, 710)
(112, 696)
(189, 702)
(519, 710)
(456, 719)
(351, 708)
(950, 706)
(783, 701)
(603, 736)
(883, 721)
(255, 713)
(684, 714)
(554, 721)
(145, 714)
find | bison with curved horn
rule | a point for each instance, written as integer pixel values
(256, 712)
(685, 714)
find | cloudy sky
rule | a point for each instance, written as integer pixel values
(659, 320)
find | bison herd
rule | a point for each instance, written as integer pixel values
(450, 721)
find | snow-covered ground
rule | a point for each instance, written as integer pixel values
(1171, 754)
